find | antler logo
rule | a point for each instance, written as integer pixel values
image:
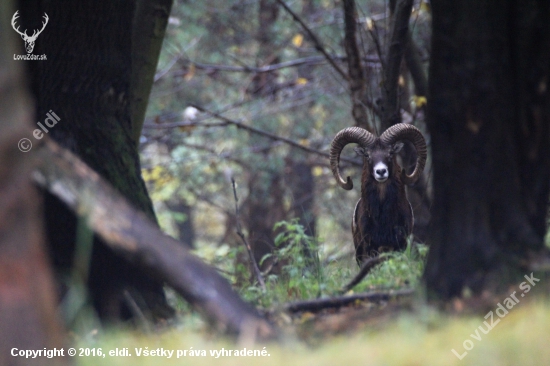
(29, 40)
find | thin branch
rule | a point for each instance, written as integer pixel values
(318, 45)
(228, 121)
(164, 71)
(312, 60)
(357, 80)
(131, 234)
(365, 269)
(160, 126)
(338, 302)
(373, 31)
(396, 50)
(253, 263)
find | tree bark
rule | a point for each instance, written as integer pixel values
(87, 82)
(135, 237)
(149, 26)
(489, 118)
(264, 207)
(28, 318)
(357, 82)
(396, 49)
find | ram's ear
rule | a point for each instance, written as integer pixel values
(360, 151)
(397, 147)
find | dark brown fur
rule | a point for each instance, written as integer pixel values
(383, 217)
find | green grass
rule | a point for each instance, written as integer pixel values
(423, 338)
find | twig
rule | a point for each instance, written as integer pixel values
(338, 302)
(365, 269)
(264, 133)
(253, 263)
(312, 60)
(373, 31)
(271, 266)
(318, 45)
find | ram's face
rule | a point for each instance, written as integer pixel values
(380, 159)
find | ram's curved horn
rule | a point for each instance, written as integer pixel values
(347, 136)
(403, 131)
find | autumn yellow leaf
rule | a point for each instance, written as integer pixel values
(369, 24)
(401, 81)
(297, 40)
(301, 81)
(420, 101)
(190, 72)
(317, 171)
(424, 6)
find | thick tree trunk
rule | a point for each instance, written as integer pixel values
(86, 82)
(148, 29)
(28, 318)
(489, 113)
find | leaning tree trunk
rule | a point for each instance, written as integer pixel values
(489, 113)
(86, 82)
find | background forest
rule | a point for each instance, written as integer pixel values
(222, 143)
(251, 63)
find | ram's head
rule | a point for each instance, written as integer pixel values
(379, 152)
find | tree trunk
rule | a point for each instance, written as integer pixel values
(86, 82)
(489, 113)
(186, 230)
(264, 204)
(28, 318)
(148, 29)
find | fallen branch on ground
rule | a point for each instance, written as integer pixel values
(365, 269)
(341, 301)
(135, 237)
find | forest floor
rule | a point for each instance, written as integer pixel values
(395, 327)
(392, 336)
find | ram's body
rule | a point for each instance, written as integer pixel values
(383, 217)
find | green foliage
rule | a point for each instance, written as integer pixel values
(307, 270)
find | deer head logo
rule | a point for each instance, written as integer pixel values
(29, 40)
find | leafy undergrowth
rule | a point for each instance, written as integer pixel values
(303, 276)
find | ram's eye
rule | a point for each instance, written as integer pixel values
(361, 151)
(396, 148)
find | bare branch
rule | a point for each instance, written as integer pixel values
(373, 31)
(253, 263)
(312, 60)
(318, 45)
(230, 122)
(133, 235)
